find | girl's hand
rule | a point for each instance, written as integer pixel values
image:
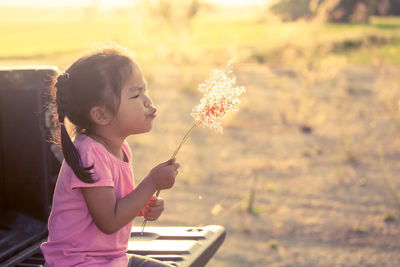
(153, 209)
(163, 175)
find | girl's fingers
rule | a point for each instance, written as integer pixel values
(176, 166)
(151, 219)
(154, 208)
(156, 202)
(152, 200)
(168, 162)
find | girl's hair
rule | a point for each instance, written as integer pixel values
(96, 79)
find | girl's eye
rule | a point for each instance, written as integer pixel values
(136, 96)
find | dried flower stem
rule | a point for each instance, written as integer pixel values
(186, 137)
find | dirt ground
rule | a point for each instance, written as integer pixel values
(302, 175)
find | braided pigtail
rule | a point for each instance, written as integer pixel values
(71, 154)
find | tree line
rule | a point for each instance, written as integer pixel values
(354, 11)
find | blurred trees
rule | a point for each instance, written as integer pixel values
(290, 10)
(355, 11)
(174, 15)
(393, 7)
(171, 22)
(175, 12)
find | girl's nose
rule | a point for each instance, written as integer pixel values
(148, 102)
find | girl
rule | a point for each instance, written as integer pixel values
(104, 96)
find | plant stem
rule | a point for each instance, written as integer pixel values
(186, 137)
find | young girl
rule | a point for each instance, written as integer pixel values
(104, 96)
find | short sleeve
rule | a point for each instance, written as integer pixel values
(101, 172)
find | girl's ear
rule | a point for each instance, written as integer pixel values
(100, 115)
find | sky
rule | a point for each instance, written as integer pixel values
(109, 3)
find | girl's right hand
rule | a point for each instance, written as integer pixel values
(163, 175)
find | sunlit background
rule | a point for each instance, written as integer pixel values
(305, 173)
(105, 4)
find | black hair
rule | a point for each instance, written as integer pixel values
(88, 82)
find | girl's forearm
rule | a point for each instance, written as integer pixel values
(128, 207)
(135, 201)
(111, 214)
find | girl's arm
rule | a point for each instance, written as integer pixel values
(110, 214)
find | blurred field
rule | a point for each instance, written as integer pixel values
(306, 173)
(50, 36)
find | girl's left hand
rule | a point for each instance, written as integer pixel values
(153, 209)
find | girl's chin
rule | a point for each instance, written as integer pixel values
(144, 130)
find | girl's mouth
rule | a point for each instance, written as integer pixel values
(153, 114)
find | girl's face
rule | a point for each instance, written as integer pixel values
(136, 111)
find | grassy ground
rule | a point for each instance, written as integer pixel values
(305, 173)
(286, 195)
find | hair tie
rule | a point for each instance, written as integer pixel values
(63, 77)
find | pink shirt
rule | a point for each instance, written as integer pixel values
(74, 239)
